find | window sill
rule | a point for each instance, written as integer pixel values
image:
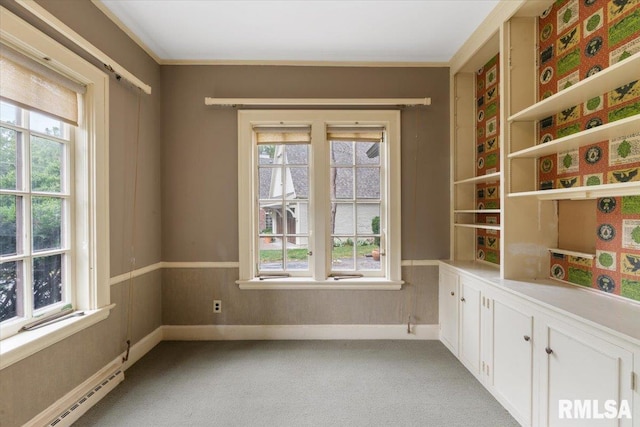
(359, 284)
(24, 344)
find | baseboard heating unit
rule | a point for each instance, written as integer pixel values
(93, 396)
(74, 404)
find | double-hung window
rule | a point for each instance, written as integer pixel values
(319, 199)
(36, 209)
(54, 230)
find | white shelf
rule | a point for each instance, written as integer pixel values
(585, 192)
(572, 253)
(477, 211)
(590, 136)
(606, 80)
(479, 179)
(482, 226)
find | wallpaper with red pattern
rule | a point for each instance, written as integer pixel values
(579, 38)
(488, 157)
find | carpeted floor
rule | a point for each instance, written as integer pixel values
(299, 383)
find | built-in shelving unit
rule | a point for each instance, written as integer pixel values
(580, 139)
(546, 215)
(572, 253)
(479, 226)
(583, 192)
(475, 184)
(608, 79)
(490, 177)
(477, 211)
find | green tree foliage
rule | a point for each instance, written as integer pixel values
(375, 228)
(46, 163)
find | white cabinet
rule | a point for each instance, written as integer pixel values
(470, 324)
(512, 345)
(448, 309)
(580, 369)
(535, 359)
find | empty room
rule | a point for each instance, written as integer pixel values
(320, 213)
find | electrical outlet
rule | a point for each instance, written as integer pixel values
(217, 306)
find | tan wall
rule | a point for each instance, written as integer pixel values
(187, 172)
(31, 385)
(200, 214)
(188, 294)
(199, 206)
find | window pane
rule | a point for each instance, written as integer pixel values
(47, 280)
(46, 125)
(368, 255)
(8, 159)
(299, 178)
(10, 114)
(297, 253)
(47, 223)
(297, 154)
(368, 218)
(9, 281)
(266, 176)
(368, 183)
(341, 153)
(10, 224)
(342, 254)
(301, 215)
(270, 218)
(271, 254)
(342, 218)
(46, 165)
(270, 154)
(341, 183)
(368, 153)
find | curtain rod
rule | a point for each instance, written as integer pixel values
(232, 102)
(109, 64)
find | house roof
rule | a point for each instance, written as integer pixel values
(367, 178)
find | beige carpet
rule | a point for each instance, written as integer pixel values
(299, 383)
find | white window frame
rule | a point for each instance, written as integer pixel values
(90, 237)
(319, 242)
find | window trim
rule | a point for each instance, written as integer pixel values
(91, 192)
(247, 119)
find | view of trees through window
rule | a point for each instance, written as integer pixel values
(33, 202)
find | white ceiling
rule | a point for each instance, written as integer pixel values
(301, 30)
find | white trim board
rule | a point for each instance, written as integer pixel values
(227, 264)
(298, 332)
(135, 273)
(138, 350)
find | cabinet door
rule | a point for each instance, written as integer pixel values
(470, 323)
(448, 309)
(512, 358)
(580, 369)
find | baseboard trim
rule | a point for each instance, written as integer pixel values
(298, 332)
(137, 351)
(144, 346)
(66, 401)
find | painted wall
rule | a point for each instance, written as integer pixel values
(31, 385)
(200, 214)
(188, 170)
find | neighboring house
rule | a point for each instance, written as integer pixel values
(295, 186)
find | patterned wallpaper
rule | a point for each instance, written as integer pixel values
(488, 157)
(579, 38)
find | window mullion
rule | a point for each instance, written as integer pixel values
(27, 228)
(319, 196)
